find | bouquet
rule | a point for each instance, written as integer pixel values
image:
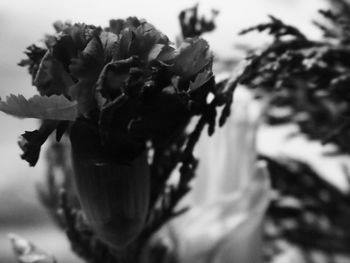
(125, 95)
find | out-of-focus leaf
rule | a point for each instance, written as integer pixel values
(290, 145)
(46, 108)
(276, 28)
(192, 25)
(200, 80)
(115, 26)
(27, 252)
(193, 57)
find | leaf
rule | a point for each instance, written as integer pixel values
(46, 108)
(193, 57)
(200, 80)
(122, 50)
(30, 142)
(51, 77)
(141, 40)
(64, 50)
(113, 77)
(146, 36)
(35, 55)
(155, 51)
(61, 129)
(115, 26)
(108, 41)
(80, 33)
(167, 55)
(27, 252)
(87, 68)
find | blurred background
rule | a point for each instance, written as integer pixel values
(23, 22)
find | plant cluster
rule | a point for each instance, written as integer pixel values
(306, 82)
(119, 92)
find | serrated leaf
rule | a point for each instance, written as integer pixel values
(46, 108)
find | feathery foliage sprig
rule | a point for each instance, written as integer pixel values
(307, 82)
(307, 79)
